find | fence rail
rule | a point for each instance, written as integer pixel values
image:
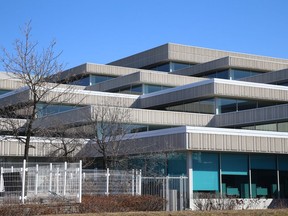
(105, 182)
(41, 182)
(174, 190)
(47, 182)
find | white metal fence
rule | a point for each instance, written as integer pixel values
(174, 190)
(47, 182)
(105, 182)
(41, 182)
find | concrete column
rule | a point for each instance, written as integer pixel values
(190, 178)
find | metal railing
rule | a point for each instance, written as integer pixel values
(105, 182)
(47, 182)
(174, 190)
(40, 182)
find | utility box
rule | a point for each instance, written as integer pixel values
(173, 200)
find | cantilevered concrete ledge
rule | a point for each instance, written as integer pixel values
(274, 77)
(181, 53)
(145, 77)
(71, 95)
(86, 115)
(182, 139)
(215, 88)
(231, 62)
(251, 117)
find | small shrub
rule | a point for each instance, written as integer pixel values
(120, 203)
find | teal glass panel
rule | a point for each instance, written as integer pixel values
(283, 162)
(177, 164)
(49, 109)
(98, 78)
(137, 89)
(234, 164)
(226, 105)
(246, 104)
(223, 74)
(267, 162)
(83, 81)
(178, 66)
(205, 172)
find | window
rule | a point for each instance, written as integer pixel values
(48, 109)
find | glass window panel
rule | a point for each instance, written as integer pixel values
(84, 81)
(178, 66)
(180, 108)
(266, 103)
(98, 78)
(136, 89)
(223, 74)
(238, 74)
(164, 67)
(283, 126)
(234, 164)
(267, 127)
(192, 107)
(252, 127)
(205, 171)
(283, 162)
(151, 88)
(207, 106)
(283, 84)
(213, 75)
(246, 104)
(177, 164)
(226, 105)
(125, 90)
(48, 109)
(267, 162)
(264, 183)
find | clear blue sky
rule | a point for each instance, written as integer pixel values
(100, 31)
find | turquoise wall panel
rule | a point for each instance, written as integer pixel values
(205, 172)
(234, 164)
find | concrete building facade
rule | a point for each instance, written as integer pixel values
(219, 117)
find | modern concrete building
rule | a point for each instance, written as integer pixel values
(221, 118)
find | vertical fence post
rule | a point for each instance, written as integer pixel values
(167, 193)
(133, 179)
(50, 177)
(65, 179)
(1, 180)
(23, 182)
(12, 169)
(80, 181)
(36, 179)
(181, 193)
(107, 182)
(57, 180)
(140, 183)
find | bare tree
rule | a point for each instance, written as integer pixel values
(109, 128)
(64, 142)
(33, 68)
